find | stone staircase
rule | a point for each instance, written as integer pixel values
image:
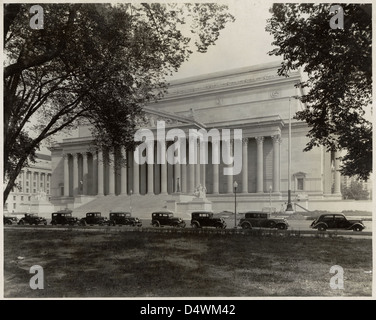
(142, 205)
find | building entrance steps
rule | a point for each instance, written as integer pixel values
(141, 206)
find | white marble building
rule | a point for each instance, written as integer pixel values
(254, 99)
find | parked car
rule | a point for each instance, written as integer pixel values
(201, 219)
(262, 220)
(63, 218)
(10, 220)
(124, 218)
(166, 218)
(31, 218)
(336, 221)
(93, 218)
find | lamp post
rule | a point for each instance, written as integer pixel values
(130, 200)
(270, 199)
(235, 187)
(289, 205)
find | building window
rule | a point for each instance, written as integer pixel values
(27, 183)
(22, 197)
(34, 184)
(14, 206)
(27, 190)
(34, 191)
(48, 177)
(6, 206)
(41, 184)
(29, 198)
(14, 198)
(48, 185)
(300, 178)
(300, 184)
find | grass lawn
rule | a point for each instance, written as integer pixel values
(130, 264)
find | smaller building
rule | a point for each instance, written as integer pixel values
(34, 188)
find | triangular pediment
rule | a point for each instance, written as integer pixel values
(152, 116)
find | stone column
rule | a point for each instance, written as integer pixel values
(23, 181)
(85, 174)
(337, 175)
(183, 180)
(177, 177)
(150, 168)
(191, 168)
(260, 164)
(66, 174)
(111, 173)
(37, 181)
(100, 173)
(162, 156)
(136, 175)
(276, 159)
(198, 166)
(75, 174)
(44, 182)
(230, 177)
(94, 173)
(215, 166)
(245, 166)
(123, 173)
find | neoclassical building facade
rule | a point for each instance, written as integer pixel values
(255, 100)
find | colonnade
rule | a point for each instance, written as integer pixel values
(84, 172)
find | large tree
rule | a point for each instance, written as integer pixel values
(97, 63)
(338, 65)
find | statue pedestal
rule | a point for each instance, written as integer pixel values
(183, 206)
(199, 204)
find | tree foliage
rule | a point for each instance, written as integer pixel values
(355, 191)
(93, 63)
(338, 63)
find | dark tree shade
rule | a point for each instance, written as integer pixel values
(93, 63)
(338, 62)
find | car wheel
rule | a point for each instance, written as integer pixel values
(9, 222)
(83, 223)
(218, 226)
(246, 226)
(53, 223)
(322, 228)
(195, 225)
(45, 223)
(21, 222)
(271, 224)
(357, 228)
(156, 224)
(281, 227)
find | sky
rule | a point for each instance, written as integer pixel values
(242, 43)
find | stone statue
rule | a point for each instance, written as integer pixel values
(200, 191)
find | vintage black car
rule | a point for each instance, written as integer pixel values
(63, 218)
(336, 221)
(166, 218)
(10, 220)
(93, 218)
(31, 218)
(201, 219)
(260, 219)
(124, 218)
